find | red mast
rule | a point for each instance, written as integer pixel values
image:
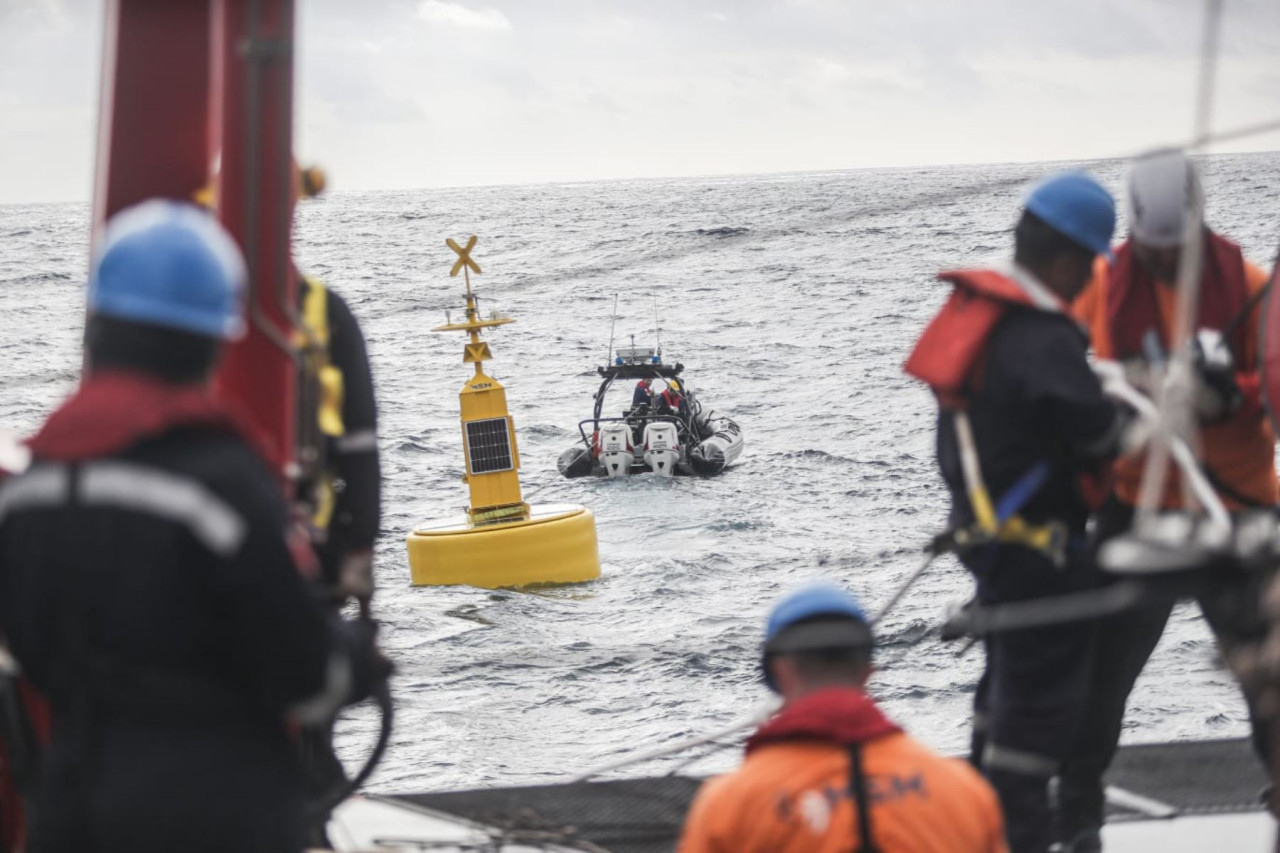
(153, 116)
(187, 84)
(252, 97)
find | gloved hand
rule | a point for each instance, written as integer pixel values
(1215, 395)
(370, 668)
(355, 575)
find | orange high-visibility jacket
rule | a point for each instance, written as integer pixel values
(1239, 451)
(793, 793)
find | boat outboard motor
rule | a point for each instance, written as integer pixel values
(615, 449)
(661, 448)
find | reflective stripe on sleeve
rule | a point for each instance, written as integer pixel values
(179, 499)
(360, 441)
(42, 486)
(996, 757)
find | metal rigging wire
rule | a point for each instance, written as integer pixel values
(1176, 380)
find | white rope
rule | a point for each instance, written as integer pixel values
(1175, 382)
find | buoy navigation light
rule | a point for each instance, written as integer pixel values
(501, 540)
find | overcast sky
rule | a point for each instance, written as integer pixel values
(412, 93)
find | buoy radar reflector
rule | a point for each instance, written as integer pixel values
(500, 540)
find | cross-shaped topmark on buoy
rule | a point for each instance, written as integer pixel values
(464, 256)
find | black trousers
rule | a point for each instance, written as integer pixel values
(1229, 600)
(1032, 694)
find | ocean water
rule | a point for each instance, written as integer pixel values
(792, 301)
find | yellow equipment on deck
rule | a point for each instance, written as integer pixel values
(500, 540)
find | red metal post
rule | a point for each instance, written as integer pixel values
(153, 106)
(252, 73)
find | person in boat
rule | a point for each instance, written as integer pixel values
(672, 402)
(642, 397)
(831, 772)
(1022, 424)
(641, 407)
(1129, 309)
(148, 586)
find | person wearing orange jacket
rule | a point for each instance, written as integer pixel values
(830, 772)
(1129, 309)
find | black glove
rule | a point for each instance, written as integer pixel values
(370, 668)
(1216, 393)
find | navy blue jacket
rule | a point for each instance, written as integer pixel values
(1035, 398)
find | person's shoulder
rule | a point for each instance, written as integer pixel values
(759, 775)
(956, 775)
(1029, 330)
(336, 302)
(221, 461)
(1256, 278)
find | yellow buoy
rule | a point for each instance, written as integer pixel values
(500, 540)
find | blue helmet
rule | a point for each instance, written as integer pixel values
(815, 617)
(170, 264)
(1077, 207)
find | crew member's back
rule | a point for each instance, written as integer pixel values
(793, 796)
(830, 773)
(146, 583)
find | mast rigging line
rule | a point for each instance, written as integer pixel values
(1175, 378)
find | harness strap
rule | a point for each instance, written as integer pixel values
(323, 388)
(315, 316)
(999, 521)
(861, 801)
(1023, 489)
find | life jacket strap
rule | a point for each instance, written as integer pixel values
(324, 389)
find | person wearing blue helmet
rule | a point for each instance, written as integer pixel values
(830, 772)
(148, 589)
(1023, 432)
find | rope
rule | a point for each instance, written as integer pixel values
(1174, 401)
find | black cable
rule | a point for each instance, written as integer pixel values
(322, 809)
(861, 800)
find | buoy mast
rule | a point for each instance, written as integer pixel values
(489, 446)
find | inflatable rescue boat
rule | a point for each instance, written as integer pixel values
(664, 432)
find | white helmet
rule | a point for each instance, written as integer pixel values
(1162, 186)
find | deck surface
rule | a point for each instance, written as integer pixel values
(1191, 796)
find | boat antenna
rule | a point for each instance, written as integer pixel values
(608, 359)
(657, 329)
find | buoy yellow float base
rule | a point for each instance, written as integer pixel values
(554, 543)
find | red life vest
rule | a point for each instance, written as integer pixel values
(1132, 307)
(114, 410)
(671, 398)
(844, 715)
(949, 354)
